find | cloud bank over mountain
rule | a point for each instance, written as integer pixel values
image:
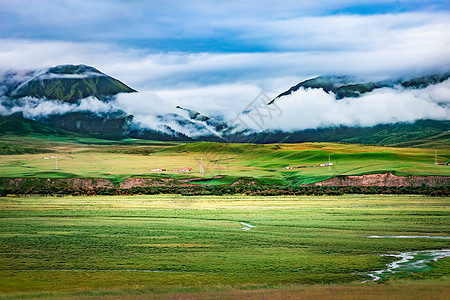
(35, 108)
(303, 109)
(314, 108)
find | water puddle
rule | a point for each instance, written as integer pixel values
(409, 262)
(247, 226)
(408, 237)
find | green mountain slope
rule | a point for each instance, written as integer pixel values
(79, 125)
(421, 132)
(112, 125)
(16, 124)
(70, 83)
(344, 86)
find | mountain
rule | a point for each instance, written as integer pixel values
(341, 86)
(215, 126)
(67, 83)
(16, 124)
(186, 125)
(424, 81)
(111, 125)
(166, 134)
(346, 86)
(421, 132)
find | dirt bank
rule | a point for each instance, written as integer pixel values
(143, 182)
(387, 179)
(381, 180)
(57, 182)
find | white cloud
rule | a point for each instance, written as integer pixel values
(355, 32)
(314, 108)
(304, 109)
(226, 100)
(34, 108)
(122, 20)
(389, 56)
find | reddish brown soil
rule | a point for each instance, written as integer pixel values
(143, 182)
(387, 179)
(57, 182)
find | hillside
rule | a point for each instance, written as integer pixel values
(16, 124)
(346, 86)
(79, 157)
(68, 83)
(420, 133)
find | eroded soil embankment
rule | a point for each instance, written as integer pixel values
(143, 182)
(90, 183)
(387, 179)
(93, 183)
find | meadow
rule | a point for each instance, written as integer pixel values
(227, 246)
(265, 164)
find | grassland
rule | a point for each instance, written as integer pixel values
(165, 245)
(266, 164)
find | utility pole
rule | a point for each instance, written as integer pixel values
(329, 162)
(435, 156)
(56, 166)
(201, 165)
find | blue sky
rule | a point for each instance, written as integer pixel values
(218, 55)
(187, 26)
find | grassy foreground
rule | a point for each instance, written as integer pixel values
(264, 164)
(162, 246)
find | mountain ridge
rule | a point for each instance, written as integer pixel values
(70, 83)
(67, 83)
(351, 87)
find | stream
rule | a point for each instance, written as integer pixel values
(409, 262)
(247, 226)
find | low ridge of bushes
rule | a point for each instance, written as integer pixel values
(254, 190)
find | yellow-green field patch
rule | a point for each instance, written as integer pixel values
(265, 164)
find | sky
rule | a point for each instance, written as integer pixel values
(217, 56)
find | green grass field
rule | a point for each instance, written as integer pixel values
(164, 245)
(265, 164)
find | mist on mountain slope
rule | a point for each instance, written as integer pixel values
(303, 109)
(314, 108)
(38, 108)
(163, 118)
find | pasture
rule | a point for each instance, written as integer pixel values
(203, 246)
(265, 164)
